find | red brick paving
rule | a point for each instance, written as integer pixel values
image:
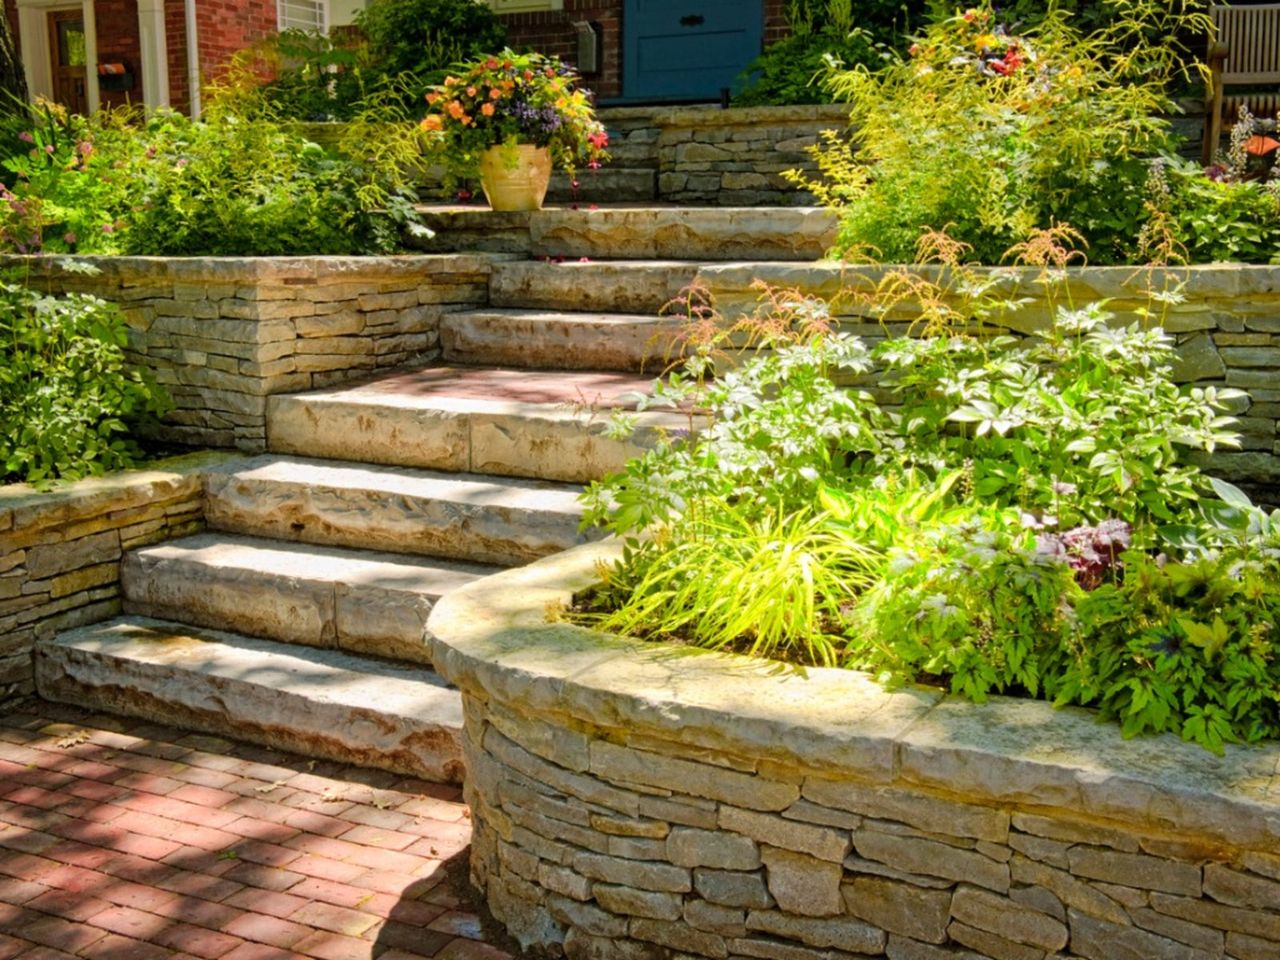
(125, 840)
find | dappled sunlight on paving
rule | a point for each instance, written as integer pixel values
(125, 840)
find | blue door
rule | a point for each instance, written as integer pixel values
(687, 49)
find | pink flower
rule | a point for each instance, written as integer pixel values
(48, 148)
(108, 228)
(70, 237)
(26, 137)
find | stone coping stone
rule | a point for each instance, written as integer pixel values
(302, 268)
(495, 640)
(712, 114)
(23, 505)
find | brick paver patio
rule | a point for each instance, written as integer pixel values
(124, 840)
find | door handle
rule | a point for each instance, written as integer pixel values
(693, 20)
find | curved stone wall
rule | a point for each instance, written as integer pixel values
(638, 801)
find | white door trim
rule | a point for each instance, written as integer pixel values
(33, 30)
(155, 54)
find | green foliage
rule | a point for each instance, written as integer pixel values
(420, 39)
(319, 76)
(993, 135)
(66, 392)
(236, 182)
(1222, 219)
(1021, 520)
(770, 585)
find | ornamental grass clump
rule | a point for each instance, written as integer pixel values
(1023, 517)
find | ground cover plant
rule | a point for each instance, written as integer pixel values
(68, 397)
(1020, 517)
(993, 130)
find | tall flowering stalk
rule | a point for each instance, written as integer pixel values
(510, 99)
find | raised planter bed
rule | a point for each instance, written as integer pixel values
(633, 800)
(60, 550)
(222, 334)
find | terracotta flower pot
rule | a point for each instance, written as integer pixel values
(515, 177)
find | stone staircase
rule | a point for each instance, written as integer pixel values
(297, 619)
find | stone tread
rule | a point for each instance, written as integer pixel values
(607, 286)
(483, 519)
(357, 600)
(324, 703)
(560, 339)
(540, 424)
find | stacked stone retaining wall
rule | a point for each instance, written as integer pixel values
(60, 551)
(634, 802)
(222, 334)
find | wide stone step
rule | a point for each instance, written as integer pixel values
(459, 516)
(600, 286)
(353, 600)
(539, 424)
(321, 703)
(558, 340)
(686, 233)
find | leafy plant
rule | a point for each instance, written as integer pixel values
(319, 76)
(1021, 520)
(418, 41)
(67, 394)
(995, 134)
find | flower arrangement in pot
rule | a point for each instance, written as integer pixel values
(508, 118)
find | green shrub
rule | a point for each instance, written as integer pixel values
(993, 135)
(237, 182)
(1022, 519)
(319, 76)
(67, 396)
(419, 40)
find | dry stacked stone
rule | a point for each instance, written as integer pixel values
(222, 334)
(606, 846)
(60, 551)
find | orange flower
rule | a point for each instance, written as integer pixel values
(455, 110)
(471, 91)
(432, 122)
(487, 109)
(432, 97)
(495, 94)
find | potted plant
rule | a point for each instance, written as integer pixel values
(508, 118)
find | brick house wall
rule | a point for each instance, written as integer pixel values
(224, 27)
(119, 42)
(552, 32)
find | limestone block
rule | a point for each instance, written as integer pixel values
(1206, 913)
(1007, 919)
(933, 859)
(1193, 935)
(1098, 940)
(990, 945)
(803, 885)
(621, 765)
(1073, 892)
(820, 842)
(844, 933)
(899, 908)
(918, 809)
(729, 889)
(725, 921)
(679, 936)
(660, 877)
(638, 903)
(1135, 870)
(689, 847)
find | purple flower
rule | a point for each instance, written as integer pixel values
(1091, 552)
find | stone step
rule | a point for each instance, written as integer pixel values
(611, 184)
(469, 517)
(553, 339)
(539, 424)
(600, 286)
(629, 231)
(353, 600)
(321, 703)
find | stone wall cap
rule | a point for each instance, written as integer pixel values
(495, 639)
(24, 506)
(236, 269)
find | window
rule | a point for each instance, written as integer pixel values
(303, 15)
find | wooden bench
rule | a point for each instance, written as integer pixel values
(1244, 52)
